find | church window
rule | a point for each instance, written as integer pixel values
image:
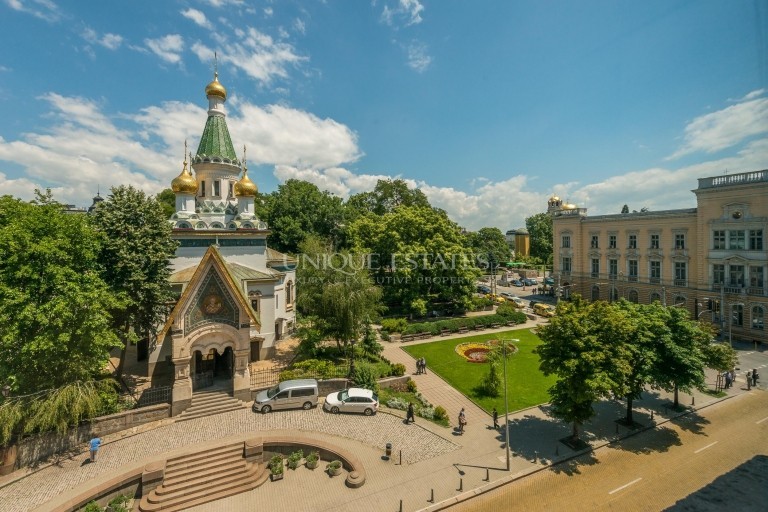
(202, 188)
(216, 188)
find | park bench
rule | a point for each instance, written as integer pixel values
(406, 337)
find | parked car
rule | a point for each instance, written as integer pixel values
(483, 289)
(289, 394)
(508, 295)
(549, 281)
(514, 299)
(352, 400)
(516, 282)
(544, 310)
(530, 281)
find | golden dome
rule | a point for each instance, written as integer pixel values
(184, 183)
(569, 206)
(554, 198)
(215, 88)
(245, 187)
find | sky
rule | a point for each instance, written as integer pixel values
(489, 107)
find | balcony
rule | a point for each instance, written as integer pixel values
(681, 283)
(632, 279)
(654, 280)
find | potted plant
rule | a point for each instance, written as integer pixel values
(313, 459)
(294, 459)
(334, 467)
(276, 467)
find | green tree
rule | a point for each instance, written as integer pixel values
(386, 196)
(578, 348)
(625, 209)
(540, 231)
(720, 357)
(489, 244)
(167, 200)
(418, 256)
(298, 209)
(54, 306)
(135, 257)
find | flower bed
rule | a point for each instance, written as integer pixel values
(478, 352)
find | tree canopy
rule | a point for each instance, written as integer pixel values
(386, 196)
(489, 243)
(540, 231)
(54, 305)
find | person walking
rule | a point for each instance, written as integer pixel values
(755, 377)
(462, 420)
(418, 366)
(749, 380)
(94, 445)
(495, 418)
(424, 365)
(409, 415)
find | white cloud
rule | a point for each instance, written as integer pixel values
(255, 53)
(727, 127)
(222, 3)
(418, 57)
(167, 48)
(196, 16)
(43, 9)
(268, 12)
(108, 40)
(406, 11)
(300, 26)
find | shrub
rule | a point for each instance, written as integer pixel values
(410, 385)
(397, 370)
(294, 459)
(397, 403)
(119, 503)
(427, 412)
(276, 464)
(92, 506)
(365, 376)
(394, 324)
(491, 384)
(440, 413)
(313, 456)
(334, 465)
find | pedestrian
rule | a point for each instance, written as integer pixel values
(409, 416)
(424, 365)
(755, 377)
(495, 418)
(727, 380)
(418, 366)
(462, 420)
(749, 380)
(94, 445)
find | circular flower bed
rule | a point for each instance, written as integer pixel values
(478, 352)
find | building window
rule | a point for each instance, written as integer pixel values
(632, 268)
(594, 243)
(736, 240)
(633, 296)
(654, 241)
(736, 276)
(681, 274)
(202, 188)
(755, 239)
(655, 275)
(655, 297)
(718, 274)
(216, 188)
(595, 293)
(755, 277)
(231, 189)
(718, 239)
(613, 268)
(633, 241)
(680, 301)
(566, 242)
(277, 301)
(758, 317)
(595, 267)
(255, 305)
(567, 265)
(289, 293)
(611, 241)
(737, 315)
(679, 241)
(614, 294)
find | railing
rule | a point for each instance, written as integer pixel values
(154, 395)
(266, 377)
(734, 179)
(202, 380)
(681, 283)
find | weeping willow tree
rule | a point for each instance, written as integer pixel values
(55, 410)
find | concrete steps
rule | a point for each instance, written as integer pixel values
(203, 477)
(206, 403)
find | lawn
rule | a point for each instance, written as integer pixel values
(526, 385)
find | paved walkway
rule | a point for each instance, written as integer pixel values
(434, 458)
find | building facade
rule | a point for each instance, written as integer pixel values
(236, 296)
(711, 260)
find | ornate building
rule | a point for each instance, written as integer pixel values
(711, 259)
(235, 295)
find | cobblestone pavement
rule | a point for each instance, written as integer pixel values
(417, 444)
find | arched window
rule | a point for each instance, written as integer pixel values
(655, 297)
(614, 294)
(595, 293)
(255, 298)
(633, 296)
(217, 225)
(680, 301)
(289, 293)
(737, 315)
(758, 317)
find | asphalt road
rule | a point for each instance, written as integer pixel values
(716, 459)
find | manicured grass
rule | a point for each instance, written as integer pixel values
(526, 385)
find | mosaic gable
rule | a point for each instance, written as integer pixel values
(212, 304)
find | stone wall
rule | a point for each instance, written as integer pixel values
(36, 449)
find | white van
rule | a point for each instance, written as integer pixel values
(289, 394)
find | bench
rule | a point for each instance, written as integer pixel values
(406, 337)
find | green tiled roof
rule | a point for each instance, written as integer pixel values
(216, 142)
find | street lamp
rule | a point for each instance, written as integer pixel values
(506, 403)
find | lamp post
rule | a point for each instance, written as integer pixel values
(506, 403)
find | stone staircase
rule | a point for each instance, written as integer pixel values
(199, 478)
(206, 403)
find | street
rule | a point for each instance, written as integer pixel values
(655, 469)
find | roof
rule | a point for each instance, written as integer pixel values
(273, 255)
(215, 142)
(237, 271)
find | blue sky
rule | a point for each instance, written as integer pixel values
(488, 106)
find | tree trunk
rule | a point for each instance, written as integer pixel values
(676, 401)
(575, 433)
(629, 420)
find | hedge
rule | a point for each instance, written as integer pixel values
(454, 324)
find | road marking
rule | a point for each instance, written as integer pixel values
(762, 420)
(625, 485)
(704, 448)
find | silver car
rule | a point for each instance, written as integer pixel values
(352, 400)
(289, 394)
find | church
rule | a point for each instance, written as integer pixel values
(235, 295)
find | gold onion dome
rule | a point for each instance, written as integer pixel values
(184, 183)
(245, 187)
(569, 206)
(215, 88)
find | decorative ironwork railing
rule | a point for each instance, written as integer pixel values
(154, 395)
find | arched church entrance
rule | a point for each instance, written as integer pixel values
(211, 368)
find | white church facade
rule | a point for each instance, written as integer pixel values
(236, 296)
